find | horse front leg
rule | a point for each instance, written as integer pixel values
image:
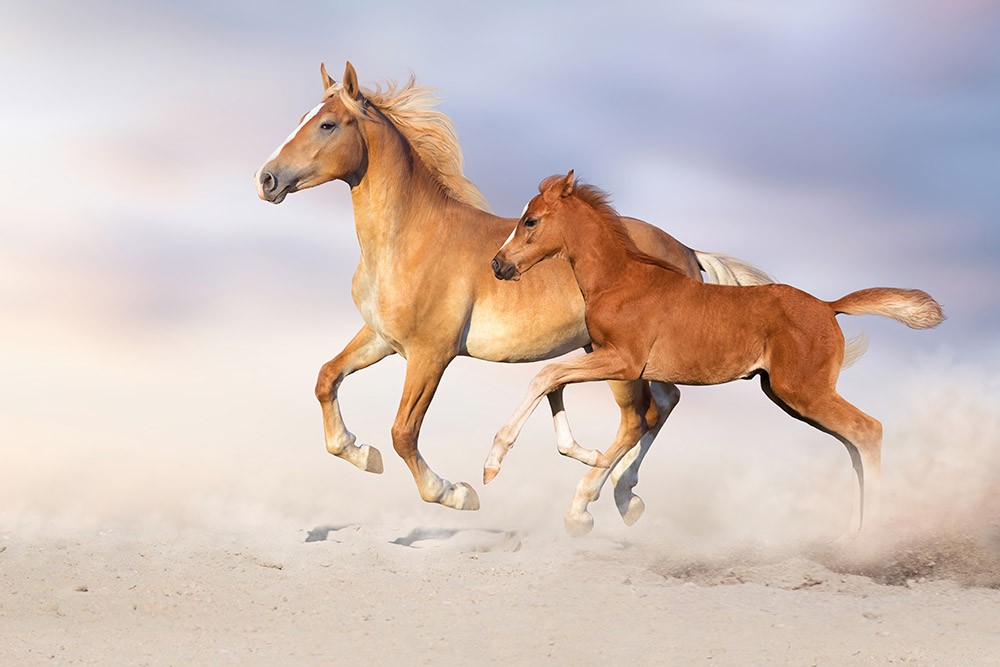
(601, 365)
(644, 412)
(365, 349)
(423, 374)
(565, 442)
(662, 398)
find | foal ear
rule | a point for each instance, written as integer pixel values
(327, 79)
(569, 184)
(351, 81)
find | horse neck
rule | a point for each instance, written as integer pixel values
(395, 197)
(595, 252)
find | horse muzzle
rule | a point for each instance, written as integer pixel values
(504, 270)
(273, 185)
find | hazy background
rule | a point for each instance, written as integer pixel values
(161, 328)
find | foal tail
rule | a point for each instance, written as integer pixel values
(914, 308)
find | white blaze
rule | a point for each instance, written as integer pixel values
(308, 117)
(513, 231)
(509, 238)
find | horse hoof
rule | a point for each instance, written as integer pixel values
(369, 459)
(632, 512)
(460, 496)
(489, 474)
(578, 525)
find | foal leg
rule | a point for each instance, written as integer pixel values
(600, 365)
(423, 374)
(565, 442)
(365, 349)
(625, 474)
(860, 433)
(578, 520)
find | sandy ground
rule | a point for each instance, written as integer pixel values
(174, 521)
(351, 594)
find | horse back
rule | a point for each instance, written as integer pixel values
(652, 240)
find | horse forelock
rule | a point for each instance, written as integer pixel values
(431, 133)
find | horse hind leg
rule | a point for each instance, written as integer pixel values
(625, 474)
(860, 433)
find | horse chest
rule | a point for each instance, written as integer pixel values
(385, 305)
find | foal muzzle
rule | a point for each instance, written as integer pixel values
(503, 270)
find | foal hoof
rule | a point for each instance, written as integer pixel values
(460, 496)
(489, 474)
(578, 525)
(632, 510)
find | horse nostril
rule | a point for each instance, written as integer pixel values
(268, 181)
(495, 264)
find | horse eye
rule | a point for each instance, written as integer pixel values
(530, 222)
(326, 127)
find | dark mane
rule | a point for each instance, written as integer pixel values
(600, 201)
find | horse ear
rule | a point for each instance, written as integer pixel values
(327, 79)
(569, 184)
(351, 81)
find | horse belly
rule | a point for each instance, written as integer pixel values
(519, 329)
(704, 357)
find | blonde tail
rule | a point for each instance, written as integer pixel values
(728, 270)
(914, 308)
(854, 349)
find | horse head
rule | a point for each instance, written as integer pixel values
(326, 145)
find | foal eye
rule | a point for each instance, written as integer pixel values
(326, 127)
(530, 222)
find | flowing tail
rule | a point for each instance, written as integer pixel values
(914, 308)
(728, 270)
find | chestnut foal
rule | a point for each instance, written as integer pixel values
(647, 320)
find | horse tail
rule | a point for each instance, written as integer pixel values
(914, 308)
(728, 270)
(854, 348)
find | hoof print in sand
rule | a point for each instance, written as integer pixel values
(460, 540)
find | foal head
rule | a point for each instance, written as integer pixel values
(541, 233)
(327, 144)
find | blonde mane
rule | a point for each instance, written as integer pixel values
(410, 108)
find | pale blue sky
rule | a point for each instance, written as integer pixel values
(839, 145)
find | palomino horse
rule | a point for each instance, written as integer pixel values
(647, 320)
(423, 285)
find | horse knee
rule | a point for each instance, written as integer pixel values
(327, 380)
(404, 439)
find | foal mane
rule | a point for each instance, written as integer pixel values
(410, 108)
(600, 201)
